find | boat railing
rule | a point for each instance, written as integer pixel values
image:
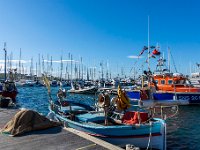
(189, 87)
(163, 112)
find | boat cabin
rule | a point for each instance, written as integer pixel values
(172, 83)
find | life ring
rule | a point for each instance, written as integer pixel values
(103, 100)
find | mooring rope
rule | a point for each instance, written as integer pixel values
(150, 134)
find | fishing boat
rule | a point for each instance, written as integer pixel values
(175, 86)
(111, 122)
(54, 83)
(39, 83)
(173, 83)
(29, 83)
(8, 87)
(164, 85)
(77, 88)
(168, 87)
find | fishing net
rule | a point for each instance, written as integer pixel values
(25, 121)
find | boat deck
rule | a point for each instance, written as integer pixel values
(56, 138)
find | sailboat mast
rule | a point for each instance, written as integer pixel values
(81, 68)
(43, 69)
(61, 68)
(71, 67)
(11, 58)
(5, 61)
(20, 57)
(39, 66)
(36, 72)
(51, 69)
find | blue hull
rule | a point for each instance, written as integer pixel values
(122, 134)
(163, 96)
(191, 98)
(133, 94)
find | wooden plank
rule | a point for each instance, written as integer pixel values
(93, 139)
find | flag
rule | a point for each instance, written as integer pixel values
(152, 47)
(144, 49)
(152, 56)
(47, 84)
(155, 52)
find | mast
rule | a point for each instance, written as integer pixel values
(107, 66)
(47, 63)
(169, 59)
(101, 64)
(66, 73)
(148, 47)
(61, 68)
(75, 72)
(95, 72)
(20, 57)
(81, 68)
(71, 67)
(36, 71)
(11, 58)
(51, 69)
(88, 78)
(31, 69)
(43, 69)
(5, 61)
(39, 66)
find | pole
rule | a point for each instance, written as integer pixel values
(71, 67)
(5, 61)
(169, 60)
(148, 47)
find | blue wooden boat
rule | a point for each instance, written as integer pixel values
(149, 132)
(109, 123)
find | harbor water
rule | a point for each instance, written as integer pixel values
(183, 130)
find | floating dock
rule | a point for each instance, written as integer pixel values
(57, 138)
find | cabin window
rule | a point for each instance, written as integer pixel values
(170, 81)
(162, 81)
(156, 81)
(182, 81)
(187, 82)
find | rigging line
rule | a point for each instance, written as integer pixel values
(173, 62)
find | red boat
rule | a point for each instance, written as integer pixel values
(8, 89)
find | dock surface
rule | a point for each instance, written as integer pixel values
(57, 138)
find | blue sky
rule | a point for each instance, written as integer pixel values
(101, 30)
